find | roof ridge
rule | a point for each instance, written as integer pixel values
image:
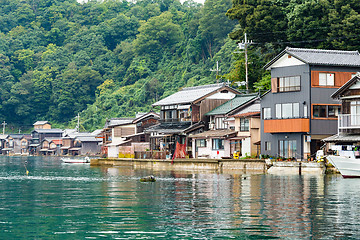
(321, 50)
(204, 86)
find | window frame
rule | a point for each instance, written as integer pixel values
(285, 84)
(337, 108)
(294, 108)
(244, 125)
(329, 81)
(200, 143)
(266, 110)
(215, 144)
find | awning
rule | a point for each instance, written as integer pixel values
(74, 149)
(64, 147)
(34, 145)
(183, 106)
(239, 138)
(161, 136)
(43, 150)
(7, 149)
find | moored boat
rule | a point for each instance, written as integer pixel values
(349, 167)
(76, 160)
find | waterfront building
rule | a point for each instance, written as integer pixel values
(123, 136)
(298, 111)
(182, 114)
(226, 135)
(349, 118)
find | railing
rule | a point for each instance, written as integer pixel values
(349, 121)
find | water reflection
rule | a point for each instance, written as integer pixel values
(82, 202)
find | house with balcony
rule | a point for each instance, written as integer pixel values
(224, 136)
(298, 112)
(184, 113)
(40, 134)
(349, 118)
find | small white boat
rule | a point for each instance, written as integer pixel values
(76, 160)
(348, 166)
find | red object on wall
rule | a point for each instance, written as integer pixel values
(180, 151)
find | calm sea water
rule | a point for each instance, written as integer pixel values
(64, 201)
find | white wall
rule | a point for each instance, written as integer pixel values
(246, 147)
(113, 151)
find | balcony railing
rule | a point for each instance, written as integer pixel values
(348, 121)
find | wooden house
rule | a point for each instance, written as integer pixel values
(24, 143)
(38, 135)
(223, 138)
(42, 125)
(122, 134)
(183, 113)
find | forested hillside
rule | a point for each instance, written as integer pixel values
(114, 58)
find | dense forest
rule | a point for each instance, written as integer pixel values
(115, 58)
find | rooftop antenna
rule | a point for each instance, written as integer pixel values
(217, 70)
(244, 46)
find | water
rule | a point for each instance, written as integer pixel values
(64, 201)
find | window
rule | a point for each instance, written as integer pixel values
(244, 124)
(355, 112)
(220, 123)
(201, 143)
(305, 111)
(267, 113)
(326, 79)
(326, 111)
(267, 146)
(287, 148)
(217, 144)
(289, 84)
(287, 110)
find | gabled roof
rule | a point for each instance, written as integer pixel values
(232, 104)
(321, 57)
(54, 130)
(118, 121)
(346, 86)
(191, 94)
(146, 115)
(88, 139)
(223, 133)
(41, 123)
(16, 135)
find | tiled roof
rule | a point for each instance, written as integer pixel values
(54, 130)
(248, 114)
(88, 139)
(118, 121)
(342, 138)
(231, 105)
(169, 127)
(189, 95)
(215, 133)
(322, 57)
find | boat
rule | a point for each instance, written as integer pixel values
(347, 161)
(348, 167)
(76, 160)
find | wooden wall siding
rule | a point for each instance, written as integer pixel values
(123, 131)
(286, 125)
(195, 113)
(209, 104)
(340, 78)
(274, 85)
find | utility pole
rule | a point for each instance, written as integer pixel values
(4, 124)
(78, 123)
(19, 130)
(217, 70)
(244, 45)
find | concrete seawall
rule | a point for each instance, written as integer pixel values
(244, 165)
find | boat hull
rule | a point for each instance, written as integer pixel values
(348, 167)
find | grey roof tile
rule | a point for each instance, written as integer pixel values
(232, 104)
(189, 95)
(321, 57)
